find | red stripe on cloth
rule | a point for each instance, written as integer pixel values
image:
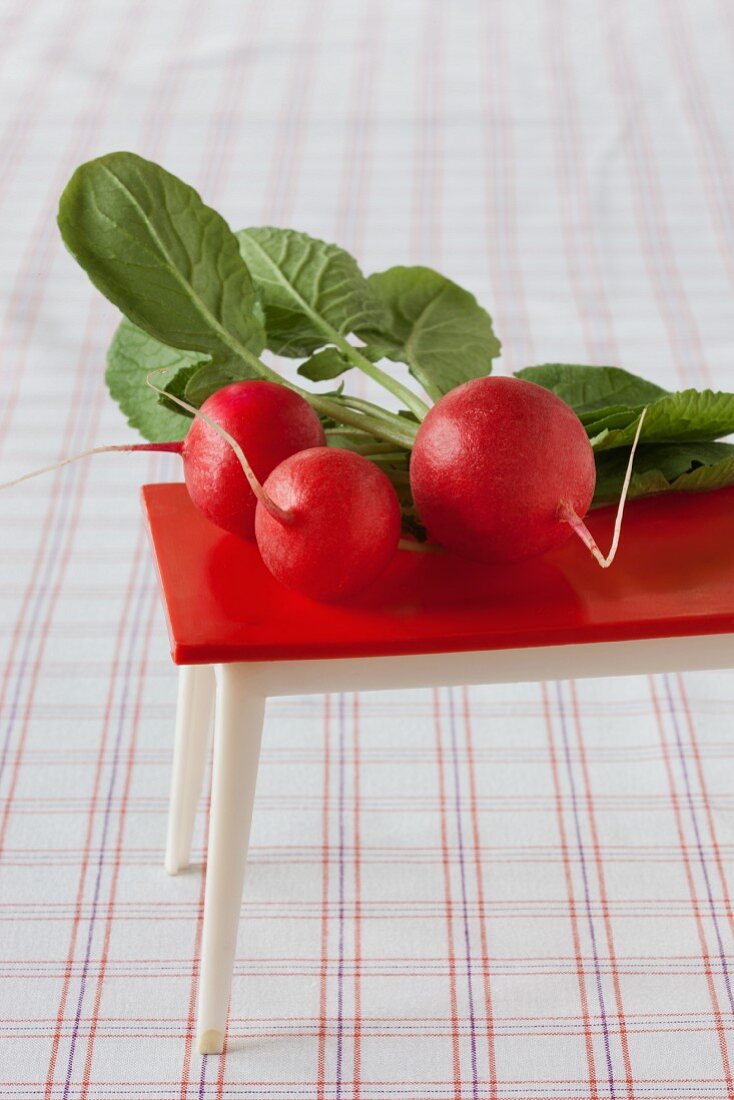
(571, 897)
(708, 808)
(130, 25)
(510, 305)
(603, 893)
(690, 879)
(91, 822)
(325, 893)
(141, 669)
(707, 136)
(681, 325)
(580, 252)
(448, 897)
(482, 912)
(357, 826)
(189, 1033)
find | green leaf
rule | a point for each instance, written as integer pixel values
(660, 468)
(209, 378)
(177, 387)
(688, 416)
(312, 291)
(616, 416)
(591, 389)
(433, 325)
(324, 365)
(170, 263)
(133, 354)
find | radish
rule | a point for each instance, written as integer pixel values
(343, 523)
(269, 420)
(502, 470)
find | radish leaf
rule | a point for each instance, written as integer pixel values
(133, 354)
(177, 387)
(660, 468)
(170, 263)
(593, 389)
(313, 292)
(324, 365)
(688, 416)
(433, 325)
(210, 377)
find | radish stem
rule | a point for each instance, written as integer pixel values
(389, 426)
(567, 513)
(172, 448)
(267, 502)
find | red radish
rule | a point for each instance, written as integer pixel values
(343, 523)
(327, 520)
(502, 469)
(270, 422)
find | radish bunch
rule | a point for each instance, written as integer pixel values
(494, 469)
(501, 470)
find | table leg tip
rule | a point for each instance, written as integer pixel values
(211, 1042)
(174, 866)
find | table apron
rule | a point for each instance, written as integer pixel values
(560, 662)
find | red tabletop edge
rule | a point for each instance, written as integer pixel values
(673, 576)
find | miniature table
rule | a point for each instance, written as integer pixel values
(432, 619)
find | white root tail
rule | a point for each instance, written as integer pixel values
(267, 502)
(574, 520)
(172, 448)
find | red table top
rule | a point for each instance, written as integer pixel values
(673, 575)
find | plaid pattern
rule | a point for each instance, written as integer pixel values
(513, 893)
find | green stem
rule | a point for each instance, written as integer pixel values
(411, 400)
(371, 409)
(388, 457)
(389, 427)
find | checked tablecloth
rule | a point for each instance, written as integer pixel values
(515, 893)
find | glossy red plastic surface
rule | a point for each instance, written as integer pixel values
(673, 575)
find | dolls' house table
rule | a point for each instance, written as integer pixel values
(666, 604)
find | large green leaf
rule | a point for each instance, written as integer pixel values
(591, 389)
(660, 468)
(133, 354)
(312, 292)
(170, 263)
(435, 326)
(688, 416)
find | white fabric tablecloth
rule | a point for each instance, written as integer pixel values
(515, 893)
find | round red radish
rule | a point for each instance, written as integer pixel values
(491, 464)
(270, 422)
(343, 527)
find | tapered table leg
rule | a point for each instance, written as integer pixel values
(193, 722)
(237, 735)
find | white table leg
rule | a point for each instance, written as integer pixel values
(193, 721)
(237, 733)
